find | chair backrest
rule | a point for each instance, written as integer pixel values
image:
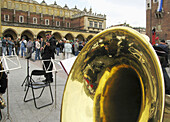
(38, 72)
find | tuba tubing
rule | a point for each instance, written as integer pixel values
(117, 77)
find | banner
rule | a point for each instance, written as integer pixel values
(160, 5)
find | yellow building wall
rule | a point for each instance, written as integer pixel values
(36, 31)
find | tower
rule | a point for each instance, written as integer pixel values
(158, 17)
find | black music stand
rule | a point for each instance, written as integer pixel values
(27, 78)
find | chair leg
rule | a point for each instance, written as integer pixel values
(33, 95)
(41, 93)
(27, 92)
(26, 95)
(38, 107)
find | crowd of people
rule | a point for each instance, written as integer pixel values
(21, 47)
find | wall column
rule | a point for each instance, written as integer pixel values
(19, 36)
(35, 36)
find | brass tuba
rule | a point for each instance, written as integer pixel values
(117, 77)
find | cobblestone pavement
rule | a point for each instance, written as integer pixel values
(19, 111)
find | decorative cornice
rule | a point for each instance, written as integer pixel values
(79, 13)
(89, 14)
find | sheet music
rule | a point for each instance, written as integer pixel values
(67, 64)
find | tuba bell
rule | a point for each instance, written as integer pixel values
(117, 77)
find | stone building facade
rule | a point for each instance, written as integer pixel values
(160, 20)
(31, 19)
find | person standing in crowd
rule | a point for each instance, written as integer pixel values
(0, 46)
(4, 43)
(23, 44)
(61, 46)
(34, 45)
(164, 46)
(81, 45)
(29, 47)
(37, 49)
(58, 47)
(72, 43)
(13, 47)
(42, 45)
(48, 53)
(42, 42)
(76, 48)
(162, 52)
(18, 46)
(10, 45)
(67, 49)
(7, 49)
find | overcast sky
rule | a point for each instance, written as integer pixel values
(132, 12)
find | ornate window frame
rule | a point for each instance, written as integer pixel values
(100, 25)
(90, 23)
(21, 19)
(34, 20)
(96, 24)
(68, 24)
(57, 23)
(47, 22)
(6, 17)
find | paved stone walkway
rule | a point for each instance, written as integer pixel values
(19, 111)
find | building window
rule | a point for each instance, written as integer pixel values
(91, 23)
(61, 13)
(155, 1)
(6, 17)
(100, 24)
(34, 20)
(71, 13)
(21, 19)
(95, 24)
(55, 12)
(67, 24)
(57, 23)
(159, 27)
(46, 21)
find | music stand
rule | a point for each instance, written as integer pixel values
(7, 69)
(51, 71)
(26, 80)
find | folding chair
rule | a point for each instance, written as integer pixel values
(37, 85)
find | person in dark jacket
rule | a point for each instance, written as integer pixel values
(10, 45)
(162, 52)
(58, 47)
(18, 46)
(47, 53)
(164, 47)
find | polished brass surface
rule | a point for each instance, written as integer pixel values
(117, 77)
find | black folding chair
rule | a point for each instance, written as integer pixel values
(37, 85)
